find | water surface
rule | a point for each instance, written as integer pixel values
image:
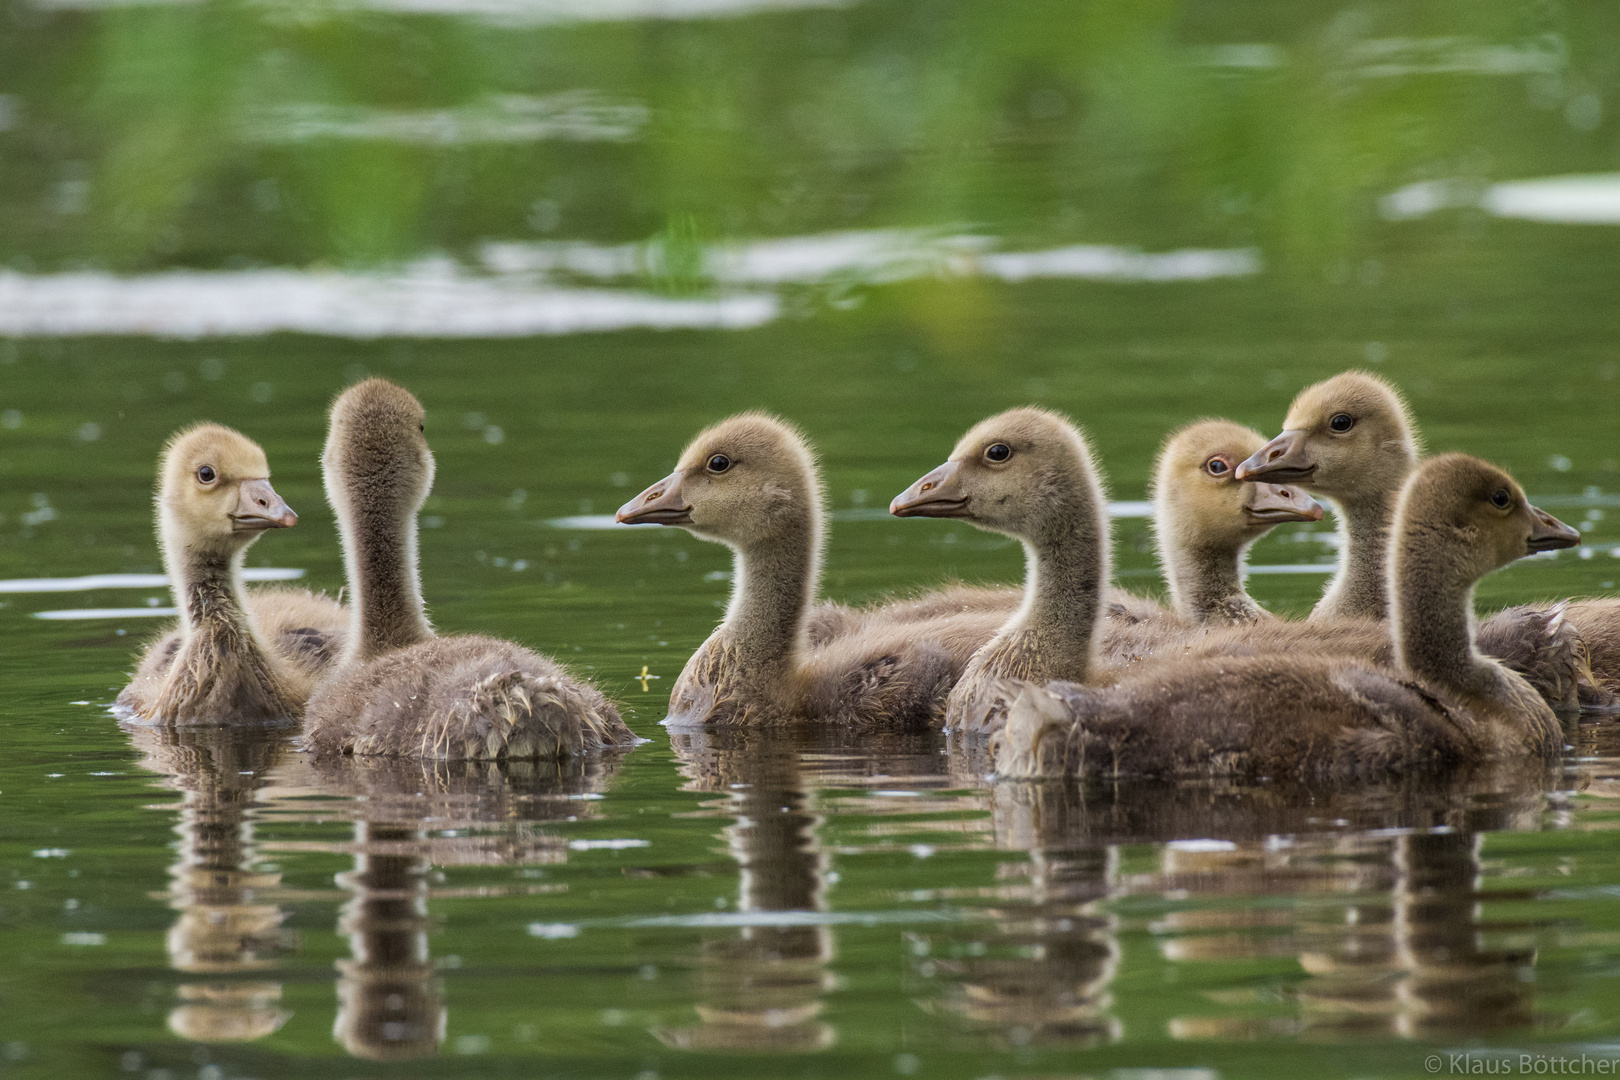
(579, 232)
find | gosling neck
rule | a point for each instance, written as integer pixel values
(380, 563)
(1433, 623)
(207, 583)
(1052, 635)
(1360, 588)
(775, 583)
(1206, 582)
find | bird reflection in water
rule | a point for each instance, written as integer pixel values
(1037, 969)
(1386, 922)
(390, 1003)
(760, 987)
(410, 818)
(230, 929)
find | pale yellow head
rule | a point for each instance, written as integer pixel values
(214, 492)
(1198, 500)
(1349, 438)
(746, 481)
(1025, 473)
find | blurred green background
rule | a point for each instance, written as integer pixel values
(580, 231)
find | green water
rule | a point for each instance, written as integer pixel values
(219, 907)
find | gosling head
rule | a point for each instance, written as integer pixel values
(215, 493)
(376, 450)
(1197, 496)
(1465, 518)
(1349, 438)
(747, 480)
(1025, 473)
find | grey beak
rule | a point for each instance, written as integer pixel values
(1274, 504)
(939, 494)
(1283, 460)
(258, 507)
(1550, 534)
(661, 504)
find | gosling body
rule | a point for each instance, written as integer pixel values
(401, 690)
(214, 500)
(1351, 440)
(751, 483)
(1029, 474)
(1320, 717)
(306, 630)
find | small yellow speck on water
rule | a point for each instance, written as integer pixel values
(644, 676)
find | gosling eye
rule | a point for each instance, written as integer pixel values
(1501, 499)
(997, 452)
(717, 464)
(422, 428)
(206, 475)
(1341, 423)
(1217, 466)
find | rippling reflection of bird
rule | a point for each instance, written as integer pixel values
(760, 987)
(410, 817)
(230, 929)
(1384, 920)
(1039, 971)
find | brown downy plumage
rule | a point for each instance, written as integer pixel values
(750, 483)
(1204, 520)
(1204, 523)
(214, 500)
(1309, 716)
(1043, 492)
(1028, 474)
(305, 629)
(1597, 622)
(400, 690)
(1350, 440)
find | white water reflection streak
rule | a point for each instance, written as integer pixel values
(437, 298)
(506, 12)
(431, 301)
(107, 613)
(574, 116)
(1555, 200)
(88, 582)
(874, 256)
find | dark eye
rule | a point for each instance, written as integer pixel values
(1342, 422)
(719, 463)
(206, 475)
(1501, 499)
(422, 428)
(1217, 466)
(997, 452)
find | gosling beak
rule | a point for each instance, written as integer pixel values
(660, 504)
(1273, 504)
(938, 495)
(1283, 460)
(1550, 534)
(258, 508)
